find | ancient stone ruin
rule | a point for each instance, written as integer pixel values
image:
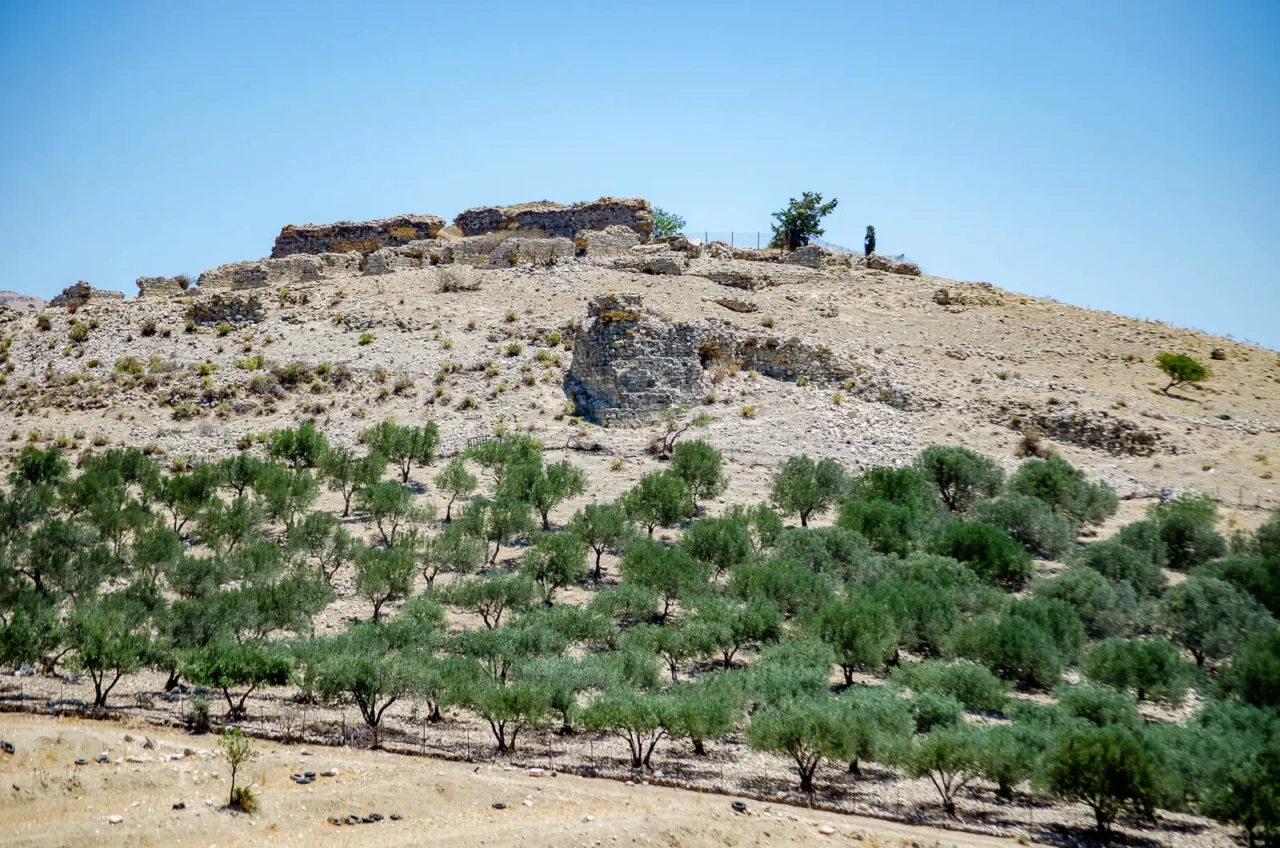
(163, 286)
(73, 297)
(556, 219)
(360, 236)
(629, 363)
(298, 268)
(220, 307)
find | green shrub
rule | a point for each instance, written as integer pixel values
(1105, 607)
(960, 475)
(1040, 529)
(1014, 648)
(1117, 561)
(1150, 668)
(1062, 486)
(1254, 673)
(992, 553)
(973, 686)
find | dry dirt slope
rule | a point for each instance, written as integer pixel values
(50, 801)
(968, 370)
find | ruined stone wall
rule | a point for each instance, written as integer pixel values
(629, 364)
(359, 236)
(221, 307)
(299, 268)
(163, 286)
(560, 220)
(73, 297)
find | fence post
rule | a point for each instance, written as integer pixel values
(757, 240)
(731, 244)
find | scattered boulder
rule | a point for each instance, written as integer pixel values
(358, 236)
(670, 263)
(1218, 354)
(734, 304)
(810, 256)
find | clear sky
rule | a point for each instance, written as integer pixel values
(1123, 156)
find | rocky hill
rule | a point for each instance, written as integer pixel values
(858, 358)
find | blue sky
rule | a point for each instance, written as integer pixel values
(1123, 156)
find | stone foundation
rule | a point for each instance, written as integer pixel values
(358, 236)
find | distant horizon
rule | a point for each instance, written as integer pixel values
(1119, 157)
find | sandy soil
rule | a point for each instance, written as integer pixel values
(50, 801)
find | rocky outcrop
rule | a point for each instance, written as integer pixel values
(358, 236)
(163, 286)
(610, 242)
(289, 270)
(559, 220)
(220, 307)
(630, 364)
(73, 297)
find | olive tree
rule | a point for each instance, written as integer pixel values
(808, 730)
(951, 757)
(660, 499)
(456, 482)
(699, 465)
(1105, 768)
(554, 561)
(1210, 618)
(960, 475)
(227, 665)
(806, 488)
(601, 527)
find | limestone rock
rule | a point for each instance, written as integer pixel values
(810, 256)
(664, 263)
(559, 220)
(286, 270)
(359, 236)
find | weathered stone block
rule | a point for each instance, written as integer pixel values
(163, 286)
(607, 243)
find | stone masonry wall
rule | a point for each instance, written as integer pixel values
(560, 220)
(360, 236)
(629, 364)
(299, 268)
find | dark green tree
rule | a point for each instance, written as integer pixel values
(699, 465)
(805, 488)
(800, 221)
(962, 476)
